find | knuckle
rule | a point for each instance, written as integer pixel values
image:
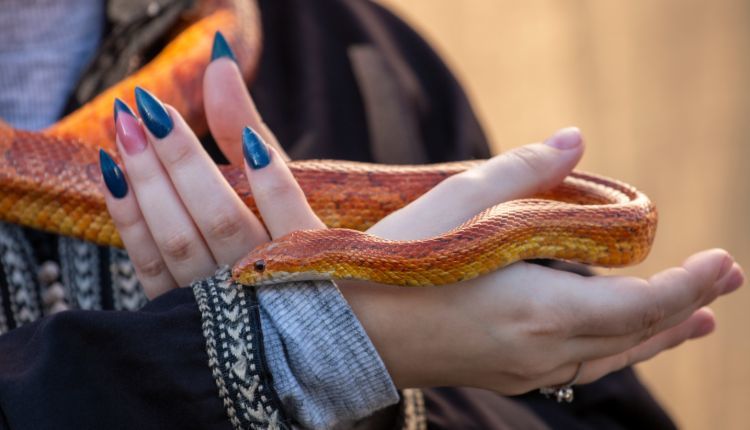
(651, 318)
(224, 226)
(627, 358)
(467, 185)
(278, 190)
(126, 223)
(545, 328)
(151, 268)
(145, 177)
(529, 161)
(180, 154)
(178, 246)
(465, 180)
(530, 371)
(545, 321)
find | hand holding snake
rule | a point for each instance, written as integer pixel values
(494, 331)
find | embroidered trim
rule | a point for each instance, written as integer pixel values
(127, 292)
(19, 267)
(230, 313)
(79, 264)
(413, 409)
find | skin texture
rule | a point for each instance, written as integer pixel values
(513, 330)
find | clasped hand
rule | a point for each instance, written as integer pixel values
(514, 330)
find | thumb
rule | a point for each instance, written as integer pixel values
(518, 173)
(531, 169)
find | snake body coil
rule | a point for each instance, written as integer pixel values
(51, 181)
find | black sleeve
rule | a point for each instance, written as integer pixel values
(192, 358)
(89, 369)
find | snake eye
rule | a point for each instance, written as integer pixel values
(260, 266)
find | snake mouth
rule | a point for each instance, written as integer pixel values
(275, 278)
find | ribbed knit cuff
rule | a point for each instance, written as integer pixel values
(325, 369)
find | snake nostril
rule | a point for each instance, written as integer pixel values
(260, 266)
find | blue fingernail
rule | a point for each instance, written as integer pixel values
(121, 106)
(254, 149)
(221, 48)
(153, 113)
(113, 176)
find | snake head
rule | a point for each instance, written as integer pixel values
(298, 256)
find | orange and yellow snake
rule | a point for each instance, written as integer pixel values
(50, 180)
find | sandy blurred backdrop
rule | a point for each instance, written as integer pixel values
(661, 90)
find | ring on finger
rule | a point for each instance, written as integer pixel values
(563, 392)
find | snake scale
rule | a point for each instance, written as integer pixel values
(50, 180)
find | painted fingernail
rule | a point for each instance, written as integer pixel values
(221, 48)
(153, 113)
(567, 138)
(255, 150)
(129, 131)
(121, 106)
(113, 176)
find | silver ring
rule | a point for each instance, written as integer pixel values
(563, 392)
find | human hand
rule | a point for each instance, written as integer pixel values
(181, 219)
(527, 326)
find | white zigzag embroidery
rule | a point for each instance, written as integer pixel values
(127, 292)
(229, 343)
(79, 264)
(19, 267)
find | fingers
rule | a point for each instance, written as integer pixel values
(701, 323)
(183, 215)
(280, 200)
(602, 316)
(229, 107)
(176, 236)
(144, 254)
(518, 173)
(226, 225)
(611, 306)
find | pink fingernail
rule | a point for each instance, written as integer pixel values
(567, 138)
(131, 135)
(704, 328)
(737, 278)
(726, 266)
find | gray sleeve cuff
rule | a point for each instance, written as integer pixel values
(325, 369)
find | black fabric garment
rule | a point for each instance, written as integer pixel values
(617, 401)
(113, 370)
(307, 92)
(324, 64)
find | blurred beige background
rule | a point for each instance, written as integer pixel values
(661, 90)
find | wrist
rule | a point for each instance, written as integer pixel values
(401, 325)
